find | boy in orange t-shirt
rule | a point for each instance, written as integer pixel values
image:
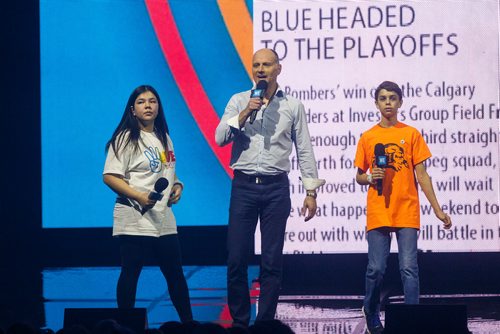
(394, 152)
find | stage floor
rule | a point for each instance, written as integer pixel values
(95, 288)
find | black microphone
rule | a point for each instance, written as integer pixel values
(259, 91)
(160, 185)
(381, 162)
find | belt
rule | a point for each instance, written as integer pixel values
(126, 202)
(123, 201)
(260, 179)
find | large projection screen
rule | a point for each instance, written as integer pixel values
(445, 56)
(92, 55)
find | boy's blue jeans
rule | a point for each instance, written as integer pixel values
(379, 242)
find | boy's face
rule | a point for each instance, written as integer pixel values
(388, 103)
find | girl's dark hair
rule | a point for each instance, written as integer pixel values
(129, 124)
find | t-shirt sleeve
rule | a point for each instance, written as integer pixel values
(115, 165)
(360, 160)
(421, 151)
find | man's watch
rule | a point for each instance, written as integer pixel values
(369, 178)
(311, 193)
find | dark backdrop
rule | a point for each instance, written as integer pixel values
(25, 247)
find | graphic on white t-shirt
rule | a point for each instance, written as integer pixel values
(154, 157)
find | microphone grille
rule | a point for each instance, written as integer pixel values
(379, 149)
(161, 184)
(262, 84)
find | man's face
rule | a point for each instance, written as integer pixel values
(388, 103)
(265, 67)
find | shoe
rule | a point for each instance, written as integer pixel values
(373, 323)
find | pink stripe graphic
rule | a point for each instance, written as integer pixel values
(186, 77)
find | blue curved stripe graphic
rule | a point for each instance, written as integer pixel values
(211, 50)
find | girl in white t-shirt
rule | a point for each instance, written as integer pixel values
(139, 153)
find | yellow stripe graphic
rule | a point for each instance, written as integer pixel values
(239, 24)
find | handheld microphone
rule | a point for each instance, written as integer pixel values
(259, 92)
(381, 162)
(160, 185)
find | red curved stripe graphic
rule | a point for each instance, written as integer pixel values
(186, 77)
(225, 319)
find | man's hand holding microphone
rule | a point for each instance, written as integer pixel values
(254, 104)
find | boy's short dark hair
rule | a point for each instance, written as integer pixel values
(389, 86)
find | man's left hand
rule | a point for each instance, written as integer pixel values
(309, 207)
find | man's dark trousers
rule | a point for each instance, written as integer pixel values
(267, 198)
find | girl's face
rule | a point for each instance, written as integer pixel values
(145, 109)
